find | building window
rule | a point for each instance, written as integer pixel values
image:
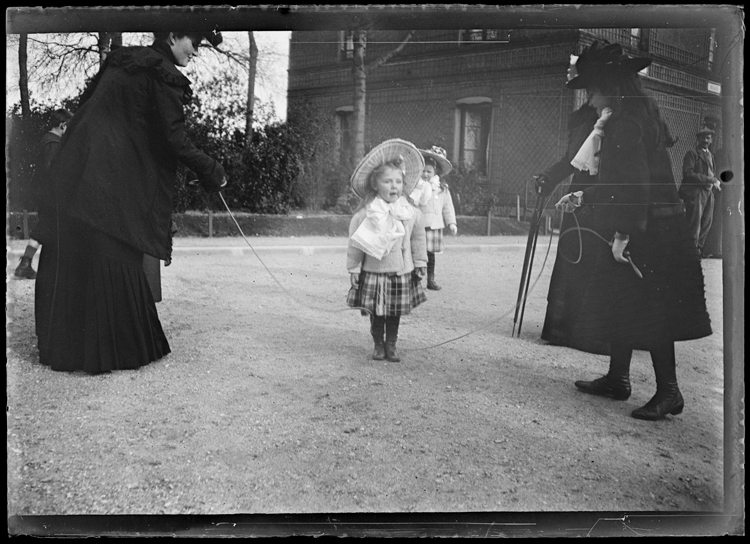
(344, 121)
(346, 44)
(687, 46)
(580, 97)
(474, 118)
(635, 37)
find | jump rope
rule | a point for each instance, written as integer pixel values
(578, 229)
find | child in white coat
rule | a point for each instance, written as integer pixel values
(386, 255)
(434, 200)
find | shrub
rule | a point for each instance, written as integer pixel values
(282, 165)
(470, 192)
(323, 179)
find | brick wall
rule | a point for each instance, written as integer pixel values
(415, 95)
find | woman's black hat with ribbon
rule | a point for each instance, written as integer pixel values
(214, 37)
(603, 61)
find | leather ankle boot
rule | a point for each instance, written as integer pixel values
(24, 269)
(377, 330)
(390, 351)
(391, 335)
(668, 400)
(378, 353)
(431, 273)
(431, 283)
(615, 387)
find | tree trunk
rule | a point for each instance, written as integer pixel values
(102, 44)
(23, 75)
(251, 88)
(360, 95)
(360, 70)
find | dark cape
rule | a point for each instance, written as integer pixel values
(117, 165)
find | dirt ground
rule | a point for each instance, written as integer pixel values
(270, 403)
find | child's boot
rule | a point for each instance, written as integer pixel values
(391, 335)
(378, 352)
(377, 329)
(431, 272)
(24, 269)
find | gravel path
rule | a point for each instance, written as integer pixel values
(269, 402)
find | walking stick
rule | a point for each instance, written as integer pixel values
(528, 260)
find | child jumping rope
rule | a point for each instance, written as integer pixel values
(434, 200)
(386, 256)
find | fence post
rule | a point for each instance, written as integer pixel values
(518, 208)
(210, 224)
(489, 222)
(25, 225)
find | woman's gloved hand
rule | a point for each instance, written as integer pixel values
(354, 279)
(570, 202)
(619, 244)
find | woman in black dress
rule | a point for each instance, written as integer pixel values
(647, 292)
(115, 180)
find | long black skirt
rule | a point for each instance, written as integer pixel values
(667, 304)
(94, 309)
(574, 264)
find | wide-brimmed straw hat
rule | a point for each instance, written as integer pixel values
(602, 61)
(406, 153)
(440, 156)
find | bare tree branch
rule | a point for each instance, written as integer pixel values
(388, 56)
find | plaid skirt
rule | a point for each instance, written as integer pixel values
(386, 294)
(434, 240)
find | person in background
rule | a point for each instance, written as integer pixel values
(648, 292)
(115, 180)
(713, 245)
(577, 248)
(433, 197)
(48, 148)
(386, 255)
(699, 181)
